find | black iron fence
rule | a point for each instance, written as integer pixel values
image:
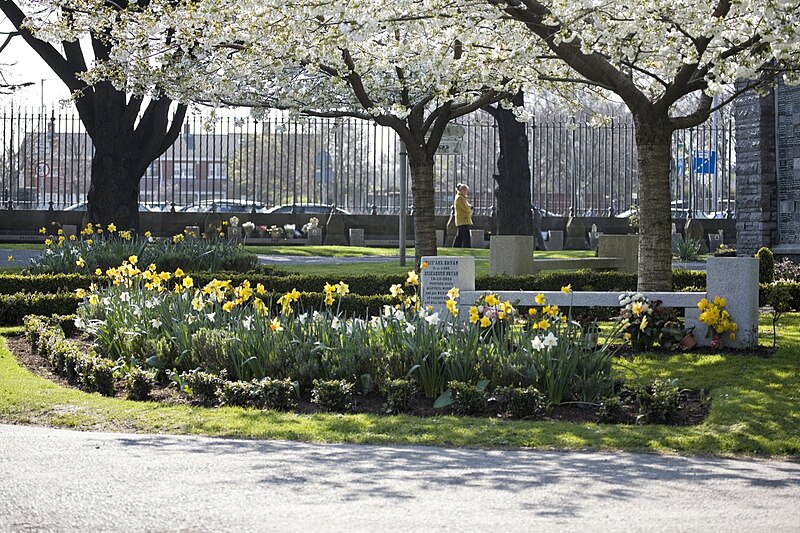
(356, 165)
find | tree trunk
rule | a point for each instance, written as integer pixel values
(423, 193)
(653, 141)
(113, 195)
(513, 191)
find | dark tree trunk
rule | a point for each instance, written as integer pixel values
(513, 191)
(423, 193)
(653, 140)
(126, 139)
(114, 191)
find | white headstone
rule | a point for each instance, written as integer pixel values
(442, 274)
(736, 280)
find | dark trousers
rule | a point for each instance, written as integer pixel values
(462, 237)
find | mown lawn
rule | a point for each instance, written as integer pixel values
(755, 411)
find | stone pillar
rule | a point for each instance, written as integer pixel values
(736, 280)
(756, 181)
(511, 255)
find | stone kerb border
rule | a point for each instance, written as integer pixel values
(733, 278)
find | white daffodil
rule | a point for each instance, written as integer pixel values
(550, 341)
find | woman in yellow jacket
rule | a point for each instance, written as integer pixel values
(463, 215)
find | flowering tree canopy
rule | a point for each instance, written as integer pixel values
(413, 66)
(655, 56)
(127, 130)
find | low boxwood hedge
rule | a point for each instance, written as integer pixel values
(49, 294)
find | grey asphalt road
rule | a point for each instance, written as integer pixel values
(61, 480)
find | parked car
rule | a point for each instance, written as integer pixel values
(306, 209)
(219, 206)
(81, 206)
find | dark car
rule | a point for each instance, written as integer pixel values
(219, 206)
(82, 207)
(306, 209)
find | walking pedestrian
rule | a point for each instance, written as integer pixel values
(463, 215)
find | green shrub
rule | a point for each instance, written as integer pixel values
(277, 394)
(213, 348)
(139, 384)
(333, 395)
(237, 394)
(203, 386)
(658, 401)
(688, 249)
(101, 375)
(766, 265)
(610, 410)
(467, 398)
(399, 395)
(14, 307)
(520, 402)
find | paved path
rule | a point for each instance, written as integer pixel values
(64, 480)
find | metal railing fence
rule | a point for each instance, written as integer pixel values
(576, 168)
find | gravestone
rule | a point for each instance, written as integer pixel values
(440, 237)
(511, 255)
(677, 240)
(576, 235)
(192, 232)
(69, 230)
(315, 236)
(555, 240)
(442, 274)
(356, 237)
(594, 235)
(234, 233)
(736, 280)
(714, 241)
(788, 168)
(624, 247)
(694, 230)
(477, 238)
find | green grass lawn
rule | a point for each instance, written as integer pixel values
(755, 411)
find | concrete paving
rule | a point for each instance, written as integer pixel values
(60, 480)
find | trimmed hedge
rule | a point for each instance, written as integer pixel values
(13, 307)
(368, 293)
(583, 280)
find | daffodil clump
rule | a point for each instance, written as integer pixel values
(407, 294)
(105, 247)
(161, 320)
(714, 315)
(646, 323)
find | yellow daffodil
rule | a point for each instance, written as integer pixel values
(94, 299)
(188, 282)
(453, 293)
(423, 265)
(540, 299)
(452, 307)
(179, 273)
(148, 234)
(276, 325)
(342, 288)
(396, 290)
(532, 311)
(80, 293)
(112, 228)
(10, 258)
(98, 272)
(133, 259)
(80, 262)
(566, 289)
(42, 231)
(260, 290)
(486, 322)
(413, 278)
(73, 237)
(492, 299)
(198, 304)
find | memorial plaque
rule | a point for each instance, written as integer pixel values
(442, 274)
(788, 162)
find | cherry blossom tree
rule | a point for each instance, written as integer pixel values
(413, 66)
(655, 56)
(128, 130)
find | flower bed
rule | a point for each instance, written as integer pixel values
(239, 346)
